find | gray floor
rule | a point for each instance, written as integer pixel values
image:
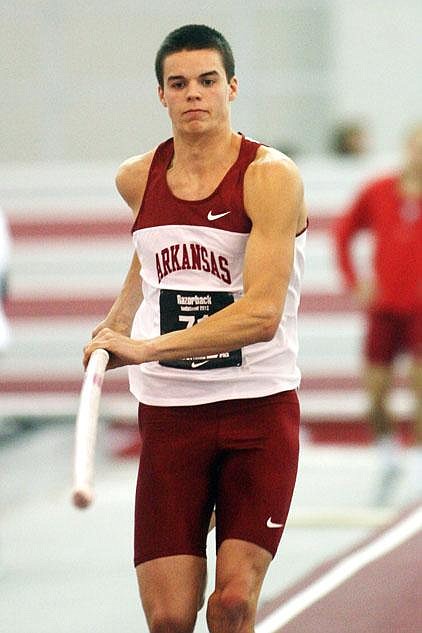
(64, 570)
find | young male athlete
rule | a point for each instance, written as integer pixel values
(391, 209)
(214, 282)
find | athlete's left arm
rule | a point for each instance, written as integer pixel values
(274, 202)
(273, 196)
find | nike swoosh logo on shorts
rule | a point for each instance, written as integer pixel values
(211, 216)
(270, 524)
(195, 365)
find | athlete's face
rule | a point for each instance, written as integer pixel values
(196, 91)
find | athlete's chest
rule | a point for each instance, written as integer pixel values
(192, 188)
(223, 209)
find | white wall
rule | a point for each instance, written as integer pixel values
(77, 78)
(378, 65)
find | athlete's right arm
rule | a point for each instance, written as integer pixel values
(131, 181)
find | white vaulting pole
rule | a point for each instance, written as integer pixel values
(86, 429)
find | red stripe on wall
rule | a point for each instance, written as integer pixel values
(93, 306)
(63, 228)
(70, 229)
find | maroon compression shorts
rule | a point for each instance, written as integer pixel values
(390, 334)
(238, 455)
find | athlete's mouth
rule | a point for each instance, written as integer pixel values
(194, 111)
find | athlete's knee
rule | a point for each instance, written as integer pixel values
(162, 621)
(230, 609)
(235, 602)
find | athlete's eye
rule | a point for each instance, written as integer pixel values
(177, 84)
(208, 82)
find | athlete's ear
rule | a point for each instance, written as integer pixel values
(233, 88)
(161, 96)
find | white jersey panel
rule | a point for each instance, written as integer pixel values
(167, 263)
(153, 243)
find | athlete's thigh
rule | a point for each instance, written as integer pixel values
(174, 497)
(258, 472)
(171, 589)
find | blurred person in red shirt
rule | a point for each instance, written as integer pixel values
(391, 209)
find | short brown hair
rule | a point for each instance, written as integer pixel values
(193, 37)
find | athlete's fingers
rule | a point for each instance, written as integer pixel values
(98, 329)
(101, 340)
(116, 344)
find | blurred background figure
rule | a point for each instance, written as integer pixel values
(390, 207)
(4, 279)
(349, 138)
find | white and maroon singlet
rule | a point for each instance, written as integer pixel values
(191, 255)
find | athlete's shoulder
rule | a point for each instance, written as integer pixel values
(272, 165)
(132, 176)
(273, 188)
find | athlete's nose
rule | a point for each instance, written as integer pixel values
(193, 92)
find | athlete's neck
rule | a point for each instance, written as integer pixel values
(198, 154)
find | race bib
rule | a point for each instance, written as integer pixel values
(180, 309)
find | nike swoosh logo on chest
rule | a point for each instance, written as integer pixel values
(215, 216)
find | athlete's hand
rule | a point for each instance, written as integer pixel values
(122, 349)
(122, 328)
